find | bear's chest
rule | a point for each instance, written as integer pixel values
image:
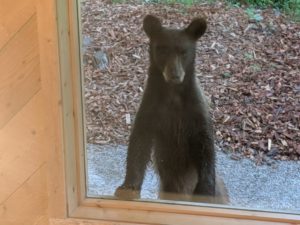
(172, 117)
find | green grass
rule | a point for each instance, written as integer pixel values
(292, 8)
(289, 7)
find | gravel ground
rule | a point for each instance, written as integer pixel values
(275, 187)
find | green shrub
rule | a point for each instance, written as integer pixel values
(290, 7)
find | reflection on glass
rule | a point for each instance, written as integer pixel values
(248, 68)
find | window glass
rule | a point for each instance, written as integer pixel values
(193, 101)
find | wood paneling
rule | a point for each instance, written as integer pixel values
(28, 204)
(24, 119)
(13, 14)
(20, 75)
(22, 146)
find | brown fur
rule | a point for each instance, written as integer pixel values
(173, 120)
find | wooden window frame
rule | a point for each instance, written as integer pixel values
(78, 204)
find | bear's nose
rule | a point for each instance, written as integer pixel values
(175, 78)
(174, 71)
(174, 75)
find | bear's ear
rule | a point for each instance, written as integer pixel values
(196, 28)
(151, 25)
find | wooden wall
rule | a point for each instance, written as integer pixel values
(26, 117)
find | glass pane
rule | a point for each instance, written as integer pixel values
(154, 134)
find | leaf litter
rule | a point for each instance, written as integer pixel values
(249, 69)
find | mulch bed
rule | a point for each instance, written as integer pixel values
(249, 69)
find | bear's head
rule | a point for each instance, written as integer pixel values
(172, 51)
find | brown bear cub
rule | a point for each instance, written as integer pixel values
(173, 122)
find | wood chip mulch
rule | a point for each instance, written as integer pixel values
(249, 69)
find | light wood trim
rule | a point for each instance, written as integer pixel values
(86, 222)
(51, 88)
(70, 68)
(72, 186)
(78, 83)
(20, 74)
(176, 218)
(200, 209)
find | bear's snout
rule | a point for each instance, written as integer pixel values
(174, 72)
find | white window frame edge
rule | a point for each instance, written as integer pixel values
(78, 204)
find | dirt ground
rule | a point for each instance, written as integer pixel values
(248, 65)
